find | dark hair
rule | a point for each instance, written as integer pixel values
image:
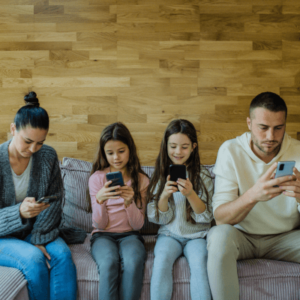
(32, 114)
(163, 162)
(119, 132)
(269, 101)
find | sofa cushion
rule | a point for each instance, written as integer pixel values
(13, 285)
(75, 174)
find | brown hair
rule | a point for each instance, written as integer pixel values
(119, 132)
(163, 161)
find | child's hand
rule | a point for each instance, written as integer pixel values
(185, 187)
(127, 194)
(170, 188)
(106, 192)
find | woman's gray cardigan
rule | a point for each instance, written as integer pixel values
(45, 180)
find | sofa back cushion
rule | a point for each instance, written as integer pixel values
(75, 174)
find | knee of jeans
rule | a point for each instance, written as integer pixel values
(219, 240)
(36, 261)
(109, 263)
(134, 261)
(62, 255)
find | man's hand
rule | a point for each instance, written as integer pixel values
(292, 188)
(264, 189)
(30, 209)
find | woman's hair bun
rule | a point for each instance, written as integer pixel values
(31, 99)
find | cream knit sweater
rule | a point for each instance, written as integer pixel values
(237, 169)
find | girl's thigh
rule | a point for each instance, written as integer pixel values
(196, 251)
(132, 251)
(167, 249)
(105, 249)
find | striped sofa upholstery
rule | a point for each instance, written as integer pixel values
(259, 279)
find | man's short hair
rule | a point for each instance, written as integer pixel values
(269, 101)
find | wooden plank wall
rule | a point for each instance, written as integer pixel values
(145, 62)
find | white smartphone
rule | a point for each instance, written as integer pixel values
(285, 168)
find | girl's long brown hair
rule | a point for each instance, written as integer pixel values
(163, 162)
(119, 132)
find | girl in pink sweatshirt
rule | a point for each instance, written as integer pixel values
(118, 215)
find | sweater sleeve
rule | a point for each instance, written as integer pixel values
(207, 215)
(226, 184)
(100, 215)
(11, 221)
(45, 228)
(164, 218)
(136, 216)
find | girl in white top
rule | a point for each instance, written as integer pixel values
(184, 210)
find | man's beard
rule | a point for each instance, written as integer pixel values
(274, 151)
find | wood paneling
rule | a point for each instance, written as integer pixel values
(146, 62)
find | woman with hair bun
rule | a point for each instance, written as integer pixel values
(29, 231)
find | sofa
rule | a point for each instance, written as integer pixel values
(259, 279)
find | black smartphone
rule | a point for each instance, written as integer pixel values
(47, 199)
(177, 171)
(116, 178)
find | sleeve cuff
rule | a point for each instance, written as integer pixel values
(204, 217)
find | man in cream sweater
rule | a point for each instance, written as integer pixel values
(255, 219)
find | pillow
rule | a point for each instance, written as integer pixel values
(76, 174)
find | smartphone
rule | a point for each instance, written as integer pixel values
(116, 178)
(177, 171)
(285, 168)
(47, 199)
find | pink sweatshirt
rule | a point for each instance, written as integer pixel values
(112, 215)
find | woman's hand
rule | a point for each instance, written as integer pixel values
(170, 188)
(127, 194)
(107, 192)
(43, 249)
(30, 209)
(185, 187)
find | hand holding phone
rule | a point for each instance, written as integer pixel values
(290, 188)
(169, 189)
(47, 199)
(111, 190)
(30, 208)
(284, 168)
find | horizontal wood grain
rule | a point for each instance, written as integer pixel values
(145, 63)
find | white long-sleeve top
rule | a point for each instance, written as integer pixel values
(174, 223)
(237, 169)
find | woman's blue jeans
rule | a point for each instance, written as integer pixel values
(166, 251)
(120, 260)
(58, 282)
